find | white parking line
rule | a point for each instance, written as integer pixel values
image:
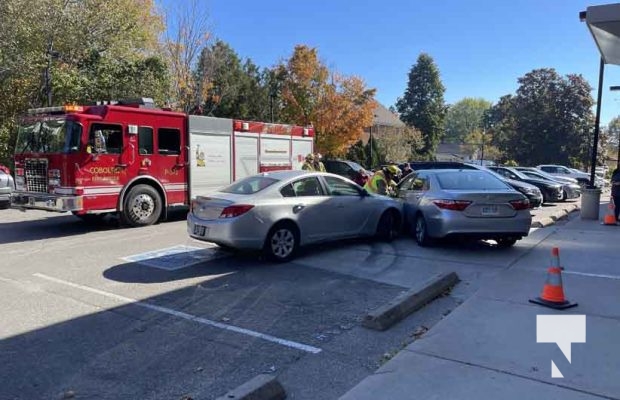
(616, 277)
(189, 317)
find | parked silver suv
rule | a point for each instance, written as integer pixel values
(583, 178)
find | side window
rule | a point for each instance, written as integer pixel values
(287, 191)
(420, 183)
(169, 141)
(562, 170)
(508, 174)
(145, 140)
(307, 187)
(105, 138)
(407, 182)
(339, 187)
(503, 172)
(339, 168)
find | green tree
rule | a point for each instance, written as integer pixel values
(613, 135)
(357, 153)
(549, 120)
(422, 105)
(233, 88)
(75, 51)
(398, 144)
(465, 117)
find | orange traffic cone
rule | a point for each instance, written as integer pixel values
(553, 291)
(610, 218)
(555, 258)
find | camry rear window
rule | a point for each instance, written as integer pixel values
(469, 180)
(251, 185)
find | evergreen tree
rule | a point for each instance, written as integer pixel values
(422, 105)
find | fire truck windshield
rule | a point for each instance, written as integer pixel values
(56, 135)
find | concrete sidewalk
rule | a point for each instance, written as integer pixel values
(487, 347)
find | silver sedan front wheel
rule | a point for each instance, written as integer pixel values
(421, 231)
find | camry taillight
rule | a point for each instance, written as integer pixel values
(455, 205)
(520, 204)
(235, 211)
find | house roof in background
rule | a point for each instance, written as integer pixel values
(384, 117)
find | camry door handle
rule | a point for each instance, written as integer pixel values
(298, 207)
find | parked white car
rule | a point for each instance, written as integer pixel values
(583, 178)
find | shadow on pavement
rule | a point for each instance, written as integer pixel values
(65, 225)
(134, 351)
(57, 226)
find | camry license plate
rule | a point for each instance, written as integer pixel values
(490, 210)
(200, 230)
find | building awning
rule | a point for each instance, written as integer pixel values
(604, 24)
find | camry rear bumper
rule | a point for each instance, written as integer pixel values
(455, 223)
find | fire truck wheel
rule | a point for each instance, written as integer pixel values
(142, 206)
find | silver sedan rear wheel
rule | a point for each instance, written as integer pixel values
(282, 242)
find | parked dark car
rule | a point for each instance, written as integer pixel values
(530, 191)
(348, 169)
(570, 190)
(7, 185)
(551, 191)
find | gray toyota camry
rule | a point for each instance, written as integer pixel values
(464, 203)
(278, 212)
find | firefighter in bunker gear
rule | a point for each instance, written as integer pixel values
(318, 165)
(381, 181)
(308, 165)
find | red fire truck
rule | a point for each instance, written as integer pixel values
(136, 160)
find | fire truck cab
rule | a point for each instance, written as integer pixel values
(136, 160)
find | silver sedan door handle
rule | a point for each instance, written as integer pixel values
(298, 207)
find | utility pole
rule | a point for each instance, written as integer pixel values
(482, 151)
(614, 89)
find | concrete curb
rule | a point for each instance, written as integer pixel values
(261, 387)
(556, 216)
(408, 302)
(542, 223)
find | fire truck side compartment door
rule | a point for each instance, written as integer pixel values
(274, 152)
(301, 148)
(246, 155)
(210, 154)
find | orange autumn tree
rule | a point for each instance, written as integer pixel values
(339, 107)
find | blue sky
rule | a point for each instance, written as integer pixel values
(481, 47)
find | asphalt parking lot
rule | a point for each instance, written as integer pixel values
(109, 313)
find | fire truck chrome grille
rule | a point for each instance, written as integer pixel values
(36, 175)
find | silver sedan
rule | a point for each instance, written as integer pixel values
(280, 211)
(6, 188)
(464, 203)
